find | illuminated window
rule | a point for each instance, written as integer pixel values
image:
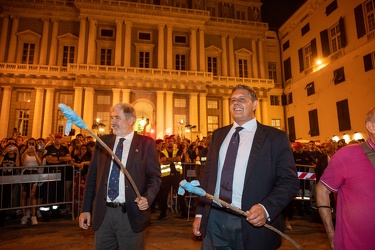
(212, 123)
(212, 104)
(180, 103)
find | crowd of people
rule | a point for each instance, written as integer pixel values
(248, 165)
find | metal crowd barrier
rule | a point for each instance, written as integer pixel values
(56, 185)
(306, 174)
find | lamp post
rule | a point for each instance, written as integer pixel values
(99, 127)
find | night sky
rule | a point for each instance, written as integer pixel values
(276, 12)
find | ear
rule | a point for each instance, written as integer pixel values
(370, 126)
(255, 105)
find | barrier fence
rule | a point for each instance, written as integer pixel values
(51, 186)
(307, 177)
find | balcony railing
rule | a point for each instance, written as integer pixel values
(252, 82)
(28, 69)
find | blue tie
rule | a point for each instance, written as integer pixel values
(113, 186)
(226, 182)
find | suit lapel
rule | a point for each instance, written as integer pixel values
(256, 148)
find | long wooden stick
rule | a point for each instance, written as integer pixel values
(118, 161)
(239, 211)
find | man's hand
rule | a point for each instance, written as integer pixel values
(256, 215)
(84, 220)
(196, 226)
(142, 203)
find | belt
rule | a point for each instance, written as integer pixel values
(115, 204)
(224, 209)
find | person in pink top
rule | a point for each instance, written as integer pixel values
(351, 175)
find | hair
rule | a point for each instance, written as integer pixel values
(252, 94)
(30, 139)
(128, 110)
(90, 144)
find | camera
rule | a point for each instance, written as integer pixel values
(32, 144)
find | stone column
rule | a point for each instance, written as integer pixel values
(128, 48)
(169, 47)
(81, 41)
(232, 71)
(126, 95)
(5, 108)
(203, 113)
(116, 96)
(224, 62)
(262, 60)
(118, 49)
(78, 93)
(226, 112)
(202, 52)
(193, 49)
(44, 43)
(54, 48)
(193, 109)
(160, 117)
(88, 115)
(48, 113)
(3, 38)
(161, 46)
(38, 113)
(169, 112)
(254, 62)
(13, 41)
(91, 55)
(264, 111)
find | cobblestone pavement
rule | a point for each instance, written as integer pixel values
(173, 233)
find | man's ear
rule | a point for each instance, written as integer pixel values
(370, 126)
(255, 105)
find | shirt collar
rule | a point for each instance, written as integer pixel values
(249, 125)
(370, 144)
(128, 137)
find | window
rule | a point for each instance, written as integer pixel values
(212, 10)
(23, 96)
(107, 33)
(334, 38)
(179, 103)
(343, 115)
(144, 59)
(338, 75)
(103, 120)
(240, 15)
(180, 39)
(291, 128)
(310, 88)
(145, 36)
(314, 124)
(331, 7)
(275, 100)
(180, 62)
(225, 10)
(212, 104)
(272, 72)
(66, 98)
(28, 53)
(243, 68)
(370, 14)
(103, 100)
(369, 61)
(286, 45)
(106, 57)
(365, 19)
(68, 55)
(287, 69)
(212, 65)
(22, 121)
(307, 55)
(305, 29)
(276, 123)
(287, 99)
(212, 123)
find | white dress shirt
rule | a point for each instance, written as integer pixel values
(124, 159)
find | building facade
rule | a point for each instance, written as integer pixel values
(176, 61)
(328, 60)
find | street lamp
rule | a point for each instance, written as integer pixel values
(98, 126)
(181, 122)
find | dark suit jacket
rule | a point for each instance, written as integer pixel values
(270, 179)
(143, 167)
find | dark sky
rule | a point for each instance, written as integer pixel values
(276, 12)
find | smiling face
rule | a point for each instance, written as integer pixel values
(242, 107)
(121, 124)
